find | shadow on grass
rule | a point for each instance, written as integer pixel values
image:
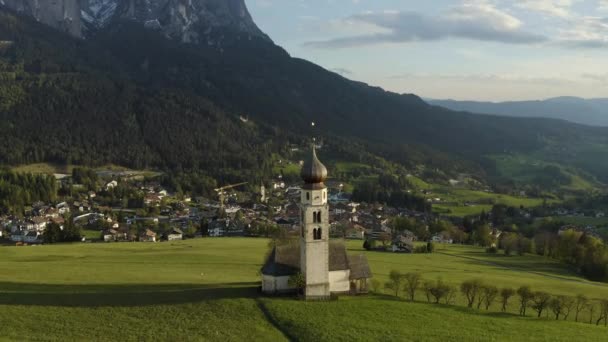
(121, 295)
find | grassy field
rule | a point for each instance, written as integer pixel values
(524, 169)
(463, 202)
(206, 289)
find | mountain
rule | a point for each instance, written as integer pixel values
(189, 21)
(592, 112)
(128, 95)
(63, 15)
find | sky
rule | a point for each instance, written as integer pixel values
(487, 50)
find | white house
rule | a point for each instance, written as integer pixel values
(176, 234)
(111, 185)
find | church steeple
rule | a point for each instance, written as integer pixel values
(314, 240)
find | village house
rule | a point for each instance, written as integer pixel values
(442, 237)
(176, 234)
(403, 244)
(37, 223)
(147, 236)
(111, 185)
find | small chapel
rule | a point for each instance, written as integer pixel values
(325, 265)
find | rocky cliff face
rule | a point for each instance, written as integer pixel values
(63, 15)
(191, 21)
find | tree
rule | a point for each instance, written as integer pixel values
(430, 247)
(603, 312)
(505, 295)
(490, 293)
(525, 296)
(297, 281)
(540, 301)
(591, 308)
(581, 303)
(567, 304)
(439, 290)
(470, 289)
(52, 233)
(394, 283)
(483, 235)
(412, 281)
(556, 305)
(428, 286)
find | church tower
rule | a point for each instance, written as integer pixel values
(314, 235)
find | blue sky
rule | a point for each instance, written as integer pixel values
(462, 49)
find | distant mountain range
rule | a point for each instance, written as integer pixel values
(593, 112)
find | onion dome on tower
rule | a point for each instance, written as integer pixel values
(314, 173)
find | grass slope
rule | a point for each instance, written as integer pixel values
(386, 319)
(206, 290)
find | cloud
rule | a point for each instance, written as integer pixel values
(586, 32)
(342, 71)
(602, 5)
(556, 8)
(477, 20)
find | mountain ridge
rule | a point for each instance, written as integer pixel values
(189, 21)
(591, 112)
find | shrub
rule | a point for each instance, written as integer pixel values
(505, 294)
(439, 290)
(470, 289)
(412, 281)
(525, 296)
(540, 301)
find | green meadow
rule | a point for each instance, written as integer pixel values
(206, 289)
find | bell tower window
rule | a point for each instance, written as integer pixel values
(318, 234)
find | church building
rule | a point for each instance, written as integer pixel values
(324, 264)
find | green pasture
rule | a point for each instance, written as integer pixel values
(206, 289)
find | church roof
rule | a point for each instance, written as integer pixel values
(285, 261)
(359, 267)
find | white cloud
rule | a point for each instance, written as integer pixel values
(557, 8)
(475, 20)
(589, 32)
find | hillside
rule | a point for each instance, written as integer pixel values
(590, 112)
(130, 96)
(202, 289)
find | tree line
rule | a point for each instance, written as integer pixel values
(18, 190)
(478, 294)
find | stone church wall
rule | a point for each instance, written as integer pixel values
(339, 281)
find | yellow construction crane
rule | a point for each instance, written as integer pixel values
(220, 192)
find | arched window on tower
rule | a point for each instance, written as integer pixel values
(307, 196)
(314, 233)
(318, 217)
(319, 234)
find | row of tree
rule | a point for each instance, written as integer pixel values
(478, 294)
